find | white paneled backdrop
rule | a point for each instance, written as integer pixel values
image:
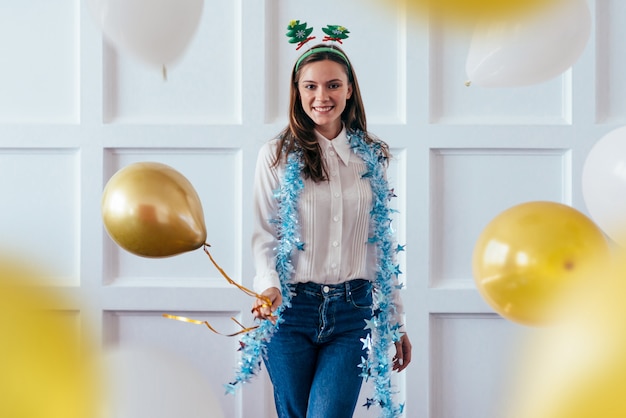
(73, 111)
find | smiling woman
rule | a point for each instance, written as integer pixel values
(323, 250)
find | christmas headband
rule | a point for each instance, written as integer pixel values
(299, 33)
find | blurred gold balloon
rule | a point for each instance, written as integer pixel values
(533, 254)
(577, 369)
(467, 11)
(152, 210)
(44, 354)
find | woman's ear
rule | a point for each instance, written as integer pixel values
(349, 95)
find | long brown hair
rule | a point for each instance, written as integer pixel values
(299, 134)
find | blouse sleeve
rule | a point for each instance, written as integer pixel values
(264, 242)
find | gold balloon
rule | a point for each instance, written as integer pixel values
(578, 369)
(152, 210)
(531, 255)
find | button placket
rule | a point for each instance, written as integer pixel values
(336, 209)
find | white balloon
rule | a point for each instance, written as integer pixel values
(146, 382)
(604, 184)
(529, 49)
(155, 31)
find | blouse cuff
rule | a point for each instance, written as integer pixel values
(264, 281)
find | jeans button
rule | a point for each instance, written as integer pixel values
(325, 289)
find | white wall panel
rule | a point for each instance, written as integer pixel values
(472, 357)
(215, 174)
(203, 87)
(611, 82)
(39, 202)
(471, 186)
(204, 349)
(39, 42)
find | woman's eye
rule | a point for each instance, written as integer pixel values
(334, 86)
(309, 86)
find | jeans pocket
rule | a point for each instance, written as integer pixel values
(361, 296)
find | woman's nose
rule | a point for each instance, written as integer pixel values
(321, 94)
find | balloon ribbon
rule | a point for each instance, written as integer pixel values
(247, 291)
(198, 322)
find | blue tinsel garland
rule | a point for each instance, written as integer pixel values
(384, 328)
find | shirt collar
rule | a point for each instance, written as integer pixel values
(339, 143)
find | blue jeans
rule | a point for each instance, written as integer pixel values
(313, 357)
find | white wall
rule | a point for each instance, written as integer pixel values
(73, 112)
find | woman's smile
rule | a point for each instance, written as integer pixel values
(323, 109)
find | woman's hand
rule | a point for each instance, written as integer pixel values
(403, 353)
(262, 310)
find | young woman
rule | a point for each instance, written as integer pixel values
(320, 245)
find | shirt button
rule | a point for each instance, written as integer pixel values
(335, 244)
(336, 218)
(334, 265)
(326, 289)
(332, 153)
(336, 194)
(333, 173)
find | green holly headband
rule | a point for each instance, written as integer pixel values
(300, 34)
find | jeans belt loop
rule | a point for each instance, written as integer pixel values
(348, 292)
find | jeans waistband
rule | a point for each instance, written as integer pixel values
(320, 289)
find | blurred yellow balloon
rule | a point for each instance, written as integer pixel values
(533, 254)
(44, 355)
(468, 11)
(152, 210)
(577, 369)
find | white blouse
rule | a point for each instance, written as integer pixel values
(334, 218)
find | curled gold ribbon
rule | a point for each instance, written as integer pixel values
(231, 281)
(198, 322)
(268, 302)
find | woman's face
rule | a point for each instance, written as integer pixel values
(324, 90)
